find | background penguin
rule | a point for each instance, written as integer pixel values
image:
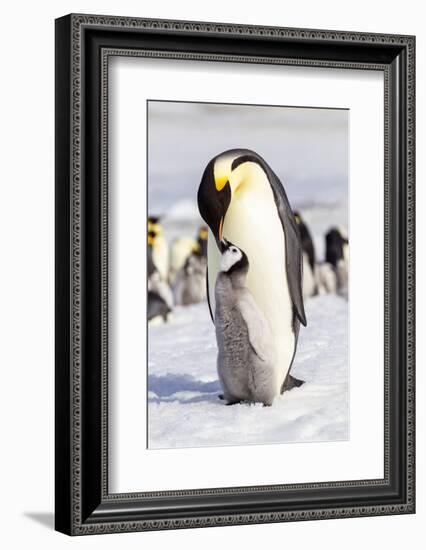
(180, 250)
(326, 278)
(246, 355)
(306, 239)
(337, 254)
(156, 284)
(158, 310)
(160, 251)
(150, 266)
(190, 286)
(309, 279)
(202, 241)
(242, 200)
(309, 283)
(335, 245)
(344, 235)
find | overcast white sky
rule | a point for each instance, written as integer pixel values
(306, 147)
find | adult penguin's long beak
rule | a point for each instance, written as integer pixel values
(220, 235)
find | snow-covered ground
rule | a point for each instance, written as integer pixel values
(184, 409)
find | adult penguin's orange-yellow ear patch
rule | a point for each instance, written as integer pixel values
(222, 171)
(151, 238)
(220, 182)
(203, 233)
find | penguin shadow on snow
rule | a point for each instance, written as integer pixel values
(166, 386)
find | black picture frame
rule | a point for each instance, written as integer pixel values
(83, 45)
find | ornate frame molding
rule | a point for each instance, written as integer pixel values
(72, 46)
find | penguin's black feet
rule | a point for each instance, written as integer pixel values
(290, 383)
(230, 400)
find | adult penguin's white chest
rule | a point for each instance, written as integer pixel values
(252, 223)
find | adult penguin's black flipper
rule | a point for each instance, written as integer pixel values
(208, 295)
(293, 245)
(294, 264)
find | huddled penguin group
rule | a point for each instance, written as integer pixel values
(176, 273)
(331, 275)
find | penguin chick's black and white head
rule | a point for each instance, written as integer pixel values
(233, 259)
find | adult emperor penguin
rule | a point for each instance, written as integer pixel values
(242, 200)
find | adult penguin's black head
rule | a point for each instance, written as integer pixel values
(215, 192)
(334, 243)
(214, 197)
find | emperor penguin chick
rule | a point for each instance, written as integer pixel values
(246, 355)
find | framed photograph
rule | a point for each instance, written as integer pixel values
(234, 274)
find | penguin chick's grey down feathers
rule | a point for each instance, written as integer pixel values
(246, 358)
(190, 286)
